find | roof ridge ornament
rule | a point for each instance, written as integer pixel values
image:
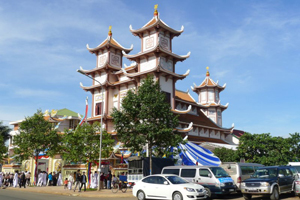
(109, 31)
(155, 10)
(207, 73)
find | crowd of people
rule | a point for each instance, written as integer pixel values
(75, 179)
(15, 180)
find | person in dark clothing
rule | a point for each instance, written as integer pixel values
(22, 180)
(109, 180)
(54, 178)
(77, 180)
(83, 181)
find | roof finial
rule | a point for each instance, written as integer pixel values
(155, 10)
(109, 32)
(207, 73)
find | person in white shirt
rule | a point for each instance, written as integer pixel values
(59, 180)
(1, 178)
(44, 178)
(70, 181)
(40, 179)
(16, 179)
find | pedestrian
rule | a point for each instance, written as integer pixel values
(45, 178)
(54, 179)
(1, 179)
(28, 178)
(59, 180)
(16, 179)
(102, 177)
(91, 180)
(22, 181)
(70, 181)
(114, 180)
(50, 179)
(109, 180)
(11, 179)
(66, 183)
(96, 179)
(77, 181)
(83, 181)
(40, 179)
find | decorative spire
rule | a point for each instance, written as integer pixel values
(109, 32)
(155, 10)
(207, 73)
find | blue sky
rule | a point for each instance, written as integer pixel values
(253, 46)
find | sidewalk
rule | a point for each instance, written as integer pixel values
(61, 191)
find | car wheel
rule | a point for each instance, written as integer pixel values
(177, 196)
(141, 195)
(247, 196)
(208, 192)
(275, 194)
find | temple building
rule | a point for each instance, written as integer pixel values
(200, 119)
(62, 119)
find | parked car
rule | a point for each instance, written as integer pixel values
(240, 171)
(214, 179)
(167, 186)
(270, 181)
(297, 187)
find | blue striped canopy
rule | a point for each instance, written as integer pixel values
(192, 154)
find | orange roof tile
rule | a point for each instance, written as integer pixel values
(184, 96)
(115, 43)
(151, 22)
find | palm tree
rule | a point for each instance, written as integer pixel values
(4, 131)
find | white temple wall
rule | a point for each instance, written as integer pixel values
(211, 95)
(149, 41)
(203, 97)
(219, 116)
(110, 126)
(217, 95)
(100, 77)
(194, 131)
(166, 86)
(102, 58)
(212, 114)
(112, 78)
(147, 65)
(111, 94)
(123, 78)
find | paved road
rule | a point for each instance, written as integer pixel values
(19, 195)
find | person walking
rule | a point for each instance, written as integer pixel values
(22, 180)
(27, 176)
(16, 179)
(66, 183)
(1, 179)
(77, 181)
(102, 177)
(50, 179)
(70, 181)
(96, 180)
(109, 177)
(40, 179)
(83, 181)
(44, 178)
(59, 180)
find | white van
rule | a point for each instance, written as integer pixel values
(214, 179)
(240, 171)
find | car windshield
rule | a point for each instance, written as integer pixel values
(219, 172)
(176, 180)
(265, 173)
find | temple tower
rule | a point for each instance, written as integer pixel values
(209, 97)
(156, 56)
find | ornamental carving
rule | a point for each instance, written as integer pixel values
(102, 60)
(57, 166)
(149, 42)
(115, 60)
(164, 43)
(27, 166)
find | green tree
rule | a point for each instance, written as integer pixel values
(294, 141)
(227, 155)
(36, 135)
(264, 149)
(146, 119)
(3, 149)
(4, 132)
(82, 144)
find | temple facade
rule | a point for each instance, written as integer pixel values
(200, 119)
